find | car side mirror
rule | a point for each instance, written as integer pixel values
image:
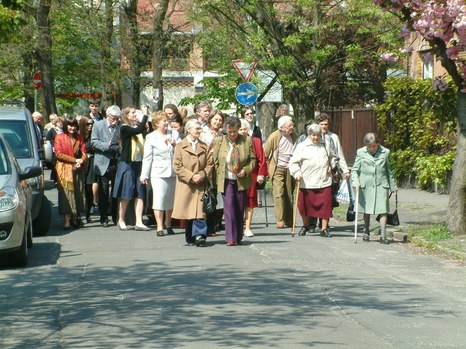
(30, 172)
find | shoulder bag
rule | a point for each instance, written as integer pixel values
(392, 218)
(209, 198)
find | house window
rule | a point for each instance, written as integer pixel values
(427, 68)
(177, 52)
(175, 56)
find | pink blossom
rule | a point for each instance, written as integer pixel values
(389, 57)
(453, 52)
(427, 57)
(439, 19)
(440, 84)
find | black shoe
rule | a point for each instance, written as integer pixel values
(366, 237)
(303, 231)
(384, 241)
(88, 219)
(79, 224)
(105, 222)
(170, 231)
(220, 227)
(200, 241)
(326, 233)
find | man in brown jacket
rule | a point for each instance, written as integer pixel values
(278, 149)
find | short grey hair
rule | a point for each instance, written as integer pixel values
(113, 110)
(192, 123)
(313, 129)
(370, 138)
(283, 120)
(232, 121)
(245, 123)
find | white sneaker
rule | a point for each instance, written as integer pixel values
(248, 233)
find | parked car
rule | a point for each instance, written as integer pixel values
(19, 130)
(15, 207)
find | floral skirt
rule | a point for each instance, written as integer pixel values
(72, 201)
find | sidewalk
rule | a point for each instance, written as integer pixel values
(416, 208)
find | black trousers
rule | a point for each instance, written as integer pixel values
(107, 205)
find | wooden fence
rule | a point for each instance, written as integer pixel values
(351, 126)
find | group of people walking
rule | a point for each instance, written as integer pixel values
(167, 160)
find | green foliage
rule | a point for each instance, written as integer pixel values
(77, 67)
(419, 124)
(67, 105)
(221, 90)
(433, 233)
(324, 55)
(434, 169)
(10, 19)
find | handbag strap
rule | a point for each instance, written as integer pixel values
(207, 184)
(396, 198)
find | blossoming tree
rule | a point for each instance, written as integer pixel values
(442, 23)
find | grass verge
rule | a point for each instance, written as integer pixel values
(438, 239)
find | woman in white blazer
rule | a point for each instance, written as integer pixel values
(157, 166)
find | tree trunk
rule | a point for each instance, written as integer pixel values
(303, 107)
(44, 55)
(158, 46)
(106, 54)
(457, 205)
(131, 47)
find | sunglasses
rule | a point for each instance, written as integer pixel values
(90, 123)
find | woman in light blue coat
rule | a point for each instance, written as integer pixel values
(371, 173)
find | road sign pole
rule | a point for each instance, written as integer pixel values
(36, 99)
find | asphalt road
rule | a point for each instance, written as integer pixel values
(104, 288)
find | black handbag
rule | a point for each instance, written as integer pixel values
(392, 218)
(209, 198)
(350, 214)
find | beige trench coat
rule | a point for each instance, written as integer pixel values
(187, 163)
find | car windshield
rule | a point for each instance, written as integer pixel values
(17, 135)
(4, 163)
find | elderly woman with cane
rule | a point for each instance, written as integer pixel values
(371, 173)
(311, 165)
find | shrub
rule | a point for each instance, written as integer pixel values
(418, 125)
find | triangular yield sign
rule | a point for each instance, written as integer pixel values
(244, 69)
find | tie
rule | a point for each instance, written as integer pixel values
(234, 159)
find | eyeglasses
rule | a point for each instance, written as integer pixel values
(90, 123)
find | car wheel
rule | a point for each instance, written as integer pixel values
(41, 224)
(29, 234)
(19, 258)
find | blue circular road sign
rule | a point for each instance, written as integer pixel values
(246, 94)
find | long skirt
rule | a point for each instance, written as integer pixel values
(315, 202)
(72, 201)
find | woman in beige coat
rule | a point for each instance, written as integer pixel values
(193, 166)
(311, 165)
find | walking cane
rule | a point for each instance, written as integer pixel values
(295, 208)
(265, 207)
(356, 216)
